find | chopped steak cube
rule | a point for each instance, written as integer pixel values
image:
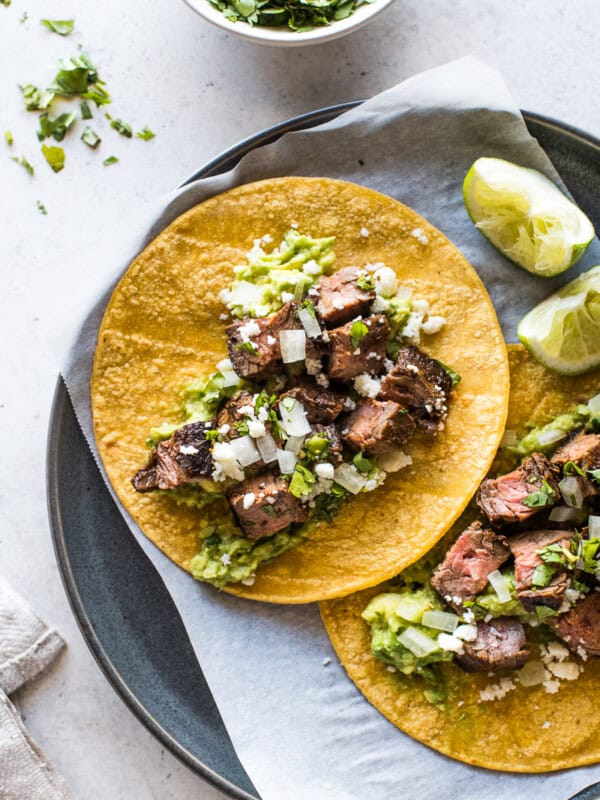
(376, 426)
(340, 298)
(264, 505)
(525, 547)
(232, 413)
(183, 459)
(501, 499)
(584, 451)
(257, 355)
(419, 384)
(463, 574)
(580, 626)
(499, 645)
(351, 358)
(320, 404)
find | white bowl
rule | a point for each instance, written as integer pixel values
(283, 36)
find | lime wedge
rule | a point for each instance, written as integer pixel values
(563, 331)
(526, 216)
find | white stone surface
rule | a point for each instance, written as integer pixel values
(200, 90)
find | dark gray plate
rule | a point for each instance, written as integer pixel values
(126, 615)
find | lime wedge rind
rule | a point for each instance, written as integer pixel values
(563, 331)
(526, 216)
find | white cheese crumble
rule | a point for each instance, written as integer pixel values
(364, 232)
(250, 328)
(271, 340)
(386, 283)
(224, 429)
(379, 305)
(450, 643)
(313, 365)
(468, 633)
(188, 450)
(256, 429)
(433, 324)
(468, 616)
(249, 581)
(226, 465)
(225, 559)
(337, 302)
(496, 691)
(326, 662)
(322, 380)
(349, 404)
(394, 460)
(287, 297)
(546, 725)
(249, 500)
(325, 470)
(223, 317)
(367, 386)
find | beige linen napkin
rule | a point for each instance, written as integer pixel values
(27, 646)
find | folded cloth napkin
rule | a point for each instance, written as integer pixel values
(27, 646)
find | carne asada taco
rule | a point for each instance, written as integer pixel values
(270, 360)
(488, 648)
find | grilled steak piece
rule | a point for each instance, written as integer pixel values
(376, 426)
(183, 459)
(580, 626)
(584, 451)
(463, 574)
(350, 359)
(320, 404)
(231, 414)
(524, 548)
(500, 644)
(340, 298)
(501, 499)
(264, 505)
(419, 384)
(335, 447)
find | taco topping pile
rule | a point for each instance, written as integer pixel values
(518, 592)
(323, 386)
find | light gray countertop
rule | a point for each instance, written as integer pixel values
(201, 90)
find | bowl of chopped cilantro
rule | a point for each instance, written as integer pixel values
(289, 22)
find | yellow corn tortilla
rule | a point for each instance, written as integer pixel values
(162, 329)
(506, 734)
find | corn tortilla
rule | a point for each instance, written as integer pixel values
(162, 329)
(510, 734)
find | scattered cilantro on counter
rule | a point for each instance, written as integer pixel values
(110, 160)
(5, 3)
(84, 110)
(24, 163)
(121, 127)
(8, 138)
(24, 17)
(90, 137)
(61, 26)
(41, 207)
(146, 134)
(55, 156)
(57, 128)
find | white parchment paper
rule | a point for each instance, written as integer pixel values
(300, 727)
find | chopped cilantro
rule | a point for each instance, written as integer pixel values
(544, 613)
(146, 134)
(41, 207)
(327, 504)
(301, 482)
(85, 110)
(542, 575)
(595, 473)
(5, 3)
(24, 17)
(455, 377)
(295, 14)
(362, 464)
(317, 446)
(358, 331)
(90, 137)
(121, 127)
(580, 553)
(8, 138)
(110, 160)
(55, 156)
(544, 497)
(571, 468)
(24, 163)
(36, 99)
(57, 128)
(310, 308)
(366, 282)
(247, 346)
(61, 26)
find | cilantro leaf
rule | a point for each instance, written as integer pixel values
(247, 346)
(57, 128)
(121, 127)
(571, 468)
(358, 331)
(110, 160)
(24, 17)
(55, 156)
(302, 480)
(595, 473)
(544, 497)
(85, 110)
(298, 15)
(542, 575)
(145, 134)
(24, 163)
(455, 377)
(41, 207)
(61, 26)
(5, 3)
(8, 138)
(366, 282)
(36, 99)
(362, 464)
(90, 137)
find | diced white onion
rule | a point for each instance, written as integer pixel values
(509, 438)
(350, 478)
(294, 444)
(594, 404)
(550, 436)
(293, 346)
(563, 514)
(293, 418)
(225, 365)
(267, 448)
(440, 620)
(571, 491)
(532, 673)
(245, 451)
(417, 642)
(287, 461)
(229, 378)
(404, 293)
(593, 526)
(500, 585)
(309, 323)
